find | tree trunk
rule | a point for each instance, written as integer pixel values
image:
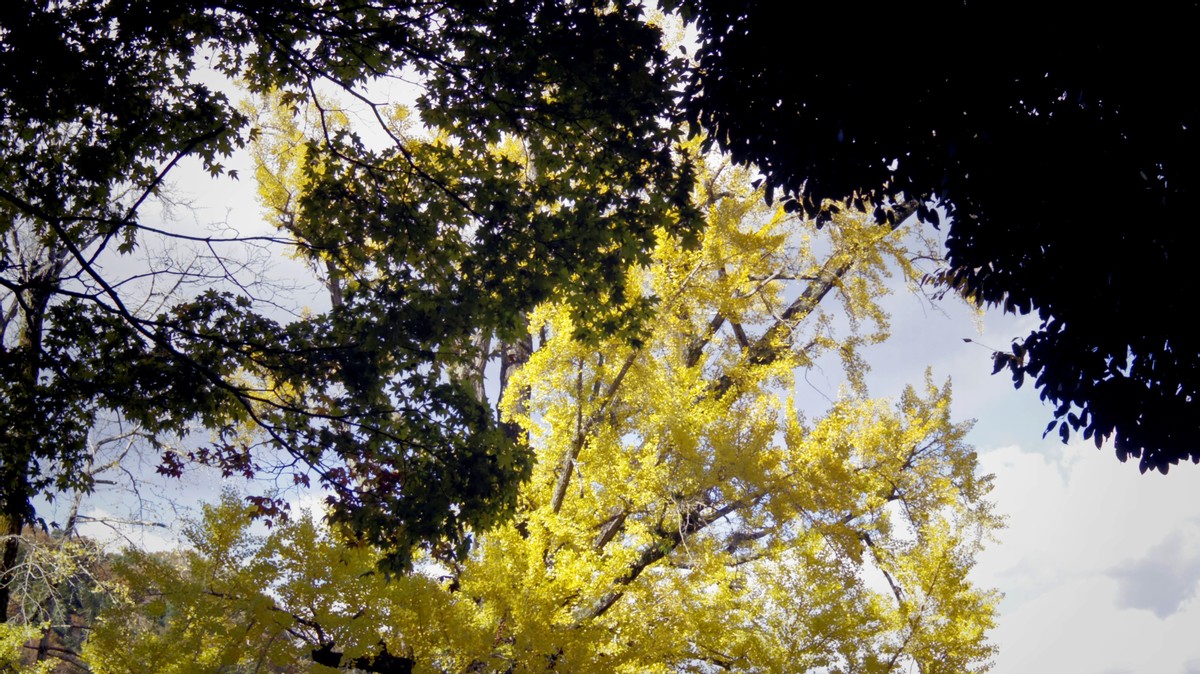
(10, 529)
(513, 355)
(20, 439)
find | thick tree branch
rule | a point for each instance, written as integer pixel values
(649, 554)
(767, 348)
(609, 529)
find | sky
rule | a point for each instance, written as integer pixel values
(1099, 565)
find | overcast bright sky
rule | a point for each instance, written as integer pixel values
(1099, 565)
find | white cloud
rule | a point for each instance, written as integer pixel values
(113, 530)
(1166, 578)
(1099, 564)
(309, 501)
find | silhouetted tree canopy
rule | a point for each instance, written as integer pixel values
(1060, 141)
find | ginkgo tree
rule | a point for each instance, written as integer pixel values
(682, 515)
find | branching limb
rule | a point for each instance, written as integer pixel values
(568, 462)
(668, 542)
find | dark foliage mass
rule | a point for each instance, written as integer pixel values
(101, 100)
(1061, 142)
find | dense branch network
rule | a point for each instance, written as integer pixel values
(440, 240)
(681, 514)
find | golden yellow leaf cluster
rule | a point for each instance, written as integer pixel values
(683, 514)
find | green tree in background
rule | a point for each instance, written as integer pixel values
(101, 101)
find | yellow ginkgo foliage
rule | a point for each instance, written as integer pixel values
(683, 515)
